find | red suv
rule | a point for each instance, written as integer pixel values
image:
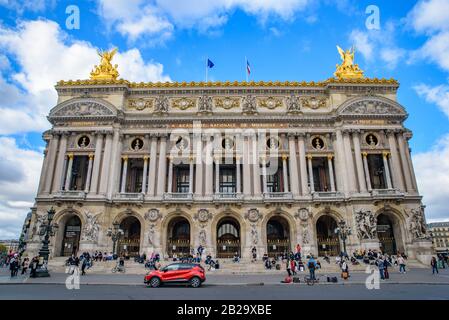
(190, 273)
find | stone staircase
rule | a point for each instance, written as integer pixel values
(227, 266)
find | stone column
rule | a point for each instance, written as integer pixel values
(302, 165)
(359, 161)
(59, 173)
(191, 159)
(395, 168)
(209, 179)
(49, 164)
(238, 173)
(256, 166)
(152, 169)
(341, 161)
(350, 170)
(116, 161)
(145, 174)
(162, 167)
(407, 136)
(284, 172)
(246, 168)
(405, 165)
(294, 177)
(106, 166)
(69, 172)
(387, 170)
(367, 176)
(96, 165)
(331, 172)
(170, 175)
(311, 182)
(217, 174)
(89, 173)
(124, 174)
(264, 174)
(199, 165)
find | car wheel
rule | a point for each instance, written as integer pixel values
(195, 282)
(155, 282)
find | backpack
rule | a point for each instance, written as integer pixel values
(311, 265)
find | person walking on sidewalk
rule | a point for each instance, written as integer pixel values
(344, 270)
(434, 265)
(288, 267)
(33, 267)
(311, 264)
(401, 262)
(381, 266)
(25, 265)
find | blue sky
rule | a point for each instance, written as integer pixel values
(169, 40)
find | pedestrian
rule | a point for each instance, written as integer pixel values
(288, 267)
(434, 265)
(254, 254)
(380, 265)
(344, 270)
(386, 265)
(84, 264)
(293, 266)
(25, 265)
(311, 264)
(401, 262)
(33, 267)
(13, 266)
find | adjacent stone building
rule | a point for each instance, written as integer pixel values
(230, 166)
(440, 235)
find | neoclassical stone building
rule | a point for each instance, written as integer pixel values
(229, 165)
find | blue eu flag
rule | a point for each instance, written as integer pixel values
(210, 64)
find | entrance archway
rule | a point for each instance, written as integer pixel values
(278, 236)
(228, 238)
(178, 241)
(385, 233)
(71, 236)
(129, 243)
(327, 240)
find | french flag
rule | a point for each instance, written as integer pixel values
(248, 68)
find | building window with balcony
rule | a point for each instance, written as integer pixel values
(228, 182)
(78, 174)
(134, 178)
(376, 171)
(275, 182)
(181, 177)
(321, 180)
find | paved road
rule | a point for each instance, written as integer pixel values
(260, 292)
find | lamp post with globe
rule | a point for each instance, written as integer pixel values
(47, 230)
(343, 231)
(115, 233)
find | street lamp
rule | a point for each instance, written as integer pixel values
(343, 231)
(115, 235)
(44, 252)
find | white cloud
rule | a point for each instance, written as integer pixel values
(18, 191)
(362, 43)
(20, 6)
(438, 95)
(429, 15)
(157, 21)
(45, 55)
(433, 183)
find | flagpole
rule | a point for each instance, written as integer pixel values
(246, 68)
(206, 67)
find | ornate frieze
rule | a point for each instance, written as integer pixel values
(184, 103)
(249, 105)
(417, 224)
(227, 103)
(152, 215)
(270, 102)
(366, 224)
(83, 108)
(140, 104)
(91, 227)
(314, 102)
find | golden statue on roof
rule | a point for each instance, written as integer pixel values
(348, 69)
(105, 71)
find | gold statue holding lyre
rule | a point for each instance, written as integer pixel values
(105, 71)
(348, 69)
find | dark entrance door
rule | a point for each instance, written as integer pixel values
(72, 231)
(228, 238)
(130, 242)
(328, 241)
(178, 237)
(278, 237)
(386, 235)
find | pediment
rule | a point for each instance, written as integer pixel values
(83, 107)
(371, 106)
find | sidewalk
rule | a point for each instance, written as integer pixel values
(414, 276)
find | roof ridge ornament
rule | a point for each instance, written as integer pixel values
(105, 71)
(348, 69)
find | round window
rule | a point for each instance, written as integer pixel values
(273, 143)
(372, 140)
(137, 144)
(83, 142)
(181, 143)
(318, 143)
(227, 143)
